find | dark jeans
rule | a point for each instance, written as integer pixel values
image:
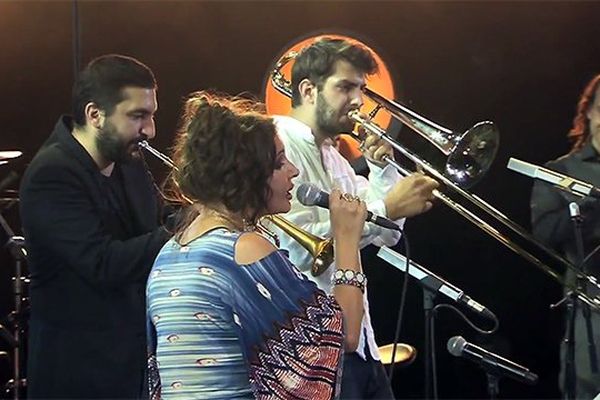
(364, 379)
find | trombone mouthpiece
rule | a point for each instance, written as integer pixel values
(143, 144)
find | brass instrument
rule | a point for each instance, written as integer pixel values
(320, 249)
(162, 157)
(469, 156)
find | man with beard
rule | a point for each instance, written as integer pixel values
(90, 216)
(327, 82)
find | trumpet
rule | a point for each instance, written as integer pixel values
(469, 156)
(320, 249)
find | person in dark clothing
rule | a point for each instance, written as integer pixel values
(90, 215)
(552, 224)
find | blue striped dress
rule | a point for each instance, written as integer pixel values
(219, 330)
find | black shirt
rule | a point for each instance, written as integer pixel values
(550, 217)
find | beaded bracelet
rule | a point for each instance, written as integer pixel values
(349, 277)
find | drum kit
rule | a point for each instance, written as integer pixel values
(13, 336)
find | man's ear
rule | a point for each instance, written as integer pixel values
(94, 116)
(308, 91)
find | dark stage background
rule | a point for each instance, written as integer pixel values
(520, 64)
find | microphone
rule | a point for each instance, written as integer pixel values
(310, 195)
(561, 181)
(433, 282)
(492, 363)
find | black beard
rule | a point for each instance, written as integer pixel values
(328, 120)
(110, 145)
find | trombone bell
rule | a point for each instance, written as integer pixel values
(320, 249)
(469, 156)
(473, 154)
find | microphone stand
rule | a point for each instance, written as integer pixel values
(571, 302)
(428, 304)
(582, 286)
(492, 376)
(16, 246)
(431, 284)
(493, 384)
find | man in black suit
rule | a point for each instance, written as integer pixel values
(90, 215)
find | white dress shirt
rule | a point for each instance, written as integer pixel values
(328, 169)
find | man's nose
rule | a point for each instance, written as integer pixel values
(149, 129)
(357, 99)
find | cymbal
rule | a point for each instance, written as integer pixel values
(8, 154)
(405, 354)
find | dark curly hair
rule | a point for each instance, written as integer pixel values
(580, 131)
(316, 62)
(224, 153)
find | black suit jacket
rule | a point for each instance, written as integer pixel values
(87, 325)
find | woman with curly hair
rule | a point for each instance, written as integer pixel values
(229, 315)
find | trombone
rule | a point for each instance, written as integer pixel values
(469, 156)
(320, 249)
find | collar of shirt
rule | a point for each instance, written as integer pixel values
(303, 131)
(300, 129)
(588, 152)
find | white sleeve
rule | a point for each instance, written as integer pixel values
(373, 191)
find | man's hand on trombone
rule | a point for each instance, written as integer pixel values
(410, 196)
(375, 149)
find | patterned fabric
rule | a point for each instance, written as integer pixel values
(220, 330)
